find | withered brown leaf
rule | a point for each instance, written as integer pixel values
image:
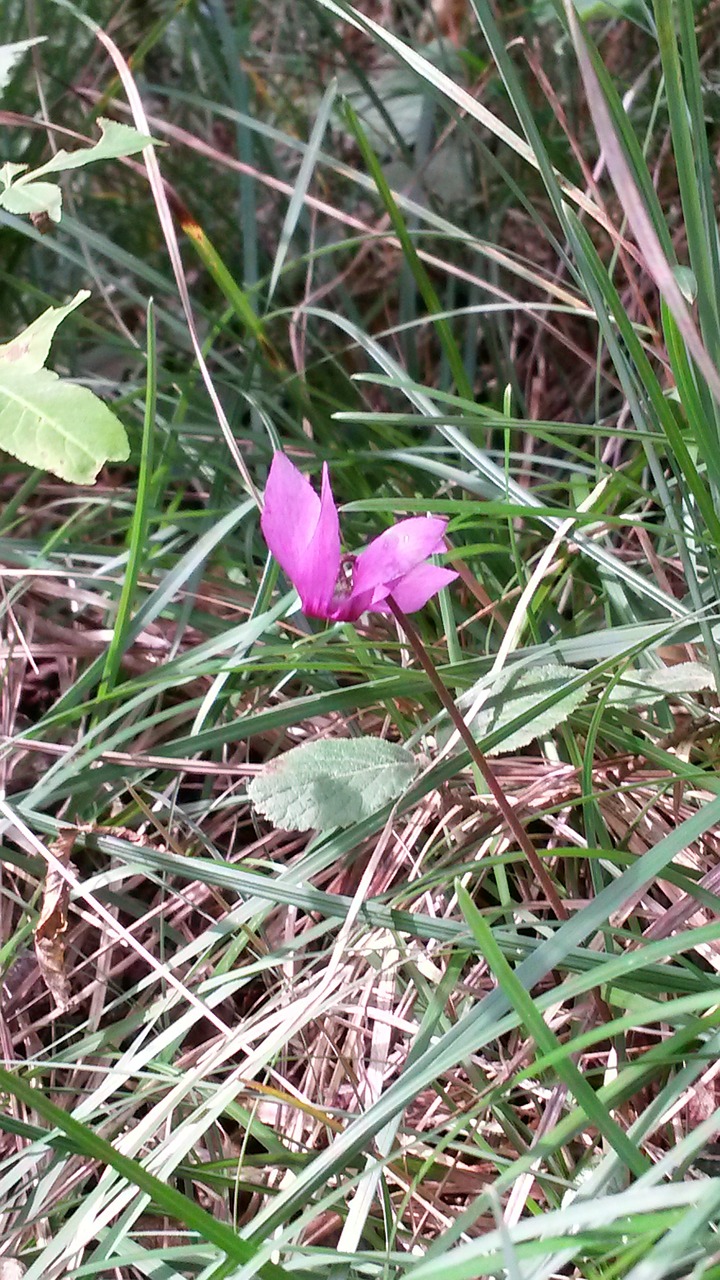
(49, 942)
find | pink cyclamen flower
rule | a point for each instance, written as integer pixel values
(303, 532)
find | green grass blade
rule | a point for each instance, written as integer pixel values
(533, 1022)
(168, 1200)
(140, 521)
(296, 206)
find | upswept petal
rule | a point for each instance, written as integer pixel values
(398, 550)
(319, 566)
(417, 587)
(290, 514)
(302, 531)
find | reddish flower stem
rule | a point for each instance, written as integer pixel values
(506, 809)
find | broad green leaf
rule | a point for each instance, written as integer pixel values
(116, 140)
(644, 688)
(514, 693)
(33, 197)
(29, 350)
(25, 194)
(334, 782)
(9, 172)
(57, 426)
(11, 53)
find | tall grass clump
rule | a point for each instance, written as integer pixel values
(375, 947)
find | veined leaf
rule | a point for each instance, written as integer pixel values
(644, 688)
(11, 53)
(515, 693)
(333, 782)
(25, 194)
(57, 426)
(28, 352)
(116, 140)
(33, 197)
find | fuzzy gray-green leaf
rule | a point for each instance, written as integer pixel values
(333, 782)
(644, 688)
(515, 693)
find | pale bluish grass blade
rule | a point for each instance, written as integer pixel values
(296, 206)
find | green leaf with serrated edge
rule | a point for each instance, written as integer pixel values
(35, 197)
(24, 194)
(11, 53)
(116, 140)
(29, 350)
(10, 171)
(644, 688)
(334, 782)
(58, 426)
(514, 693)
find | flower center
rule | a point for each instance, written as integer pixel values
(344, 583)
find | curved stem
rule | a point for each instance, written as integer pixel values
(506, 809)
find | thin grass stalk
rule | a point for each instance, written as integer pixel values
(485, 770)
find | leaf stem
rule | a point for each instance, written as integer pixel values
(506, 809)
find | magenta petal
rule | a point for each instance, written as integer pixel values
(397, 551)
(343, 611)
(290, 515)
(354, 605)
(320, 562)
(418, 586)
(302, 531)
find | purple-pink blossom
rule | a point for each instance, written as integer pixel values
(303, 532)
